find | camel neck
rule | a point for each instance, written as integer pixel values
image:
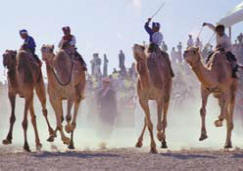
(203, 74)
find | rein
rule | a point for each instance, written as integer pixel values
(59, 81)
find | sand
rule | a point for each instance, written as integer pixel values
(122, 159)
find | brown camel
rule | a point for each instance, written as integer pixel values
(24, 75)
(215, 78)
(154, 83)
(66, 81)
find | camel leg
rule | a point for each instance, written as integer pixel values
(69, 116)
(159, 120)
(145, 106)
(12, 99)
(164, 124)
(140, 139)
(230, 124)
(57, 106)
(76, 107)
(33, 119)
(204, 93)
(25, 122)
(40, 91)
(224, 103)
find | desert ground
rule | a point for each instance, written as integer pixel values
(122, 159)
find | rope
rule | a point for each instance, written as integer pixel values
(69, 79)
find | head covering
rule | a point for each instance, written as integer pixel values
(220, 26)
(156, 25)
(23, 31)
(66, 28)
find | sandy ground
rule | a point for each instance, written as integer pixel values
(122, 159)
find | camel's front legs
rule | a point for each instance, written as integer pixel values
(145, 106)
(33, 119)
(25, 122)
(159, 121)
(57, 106)
(204, 93)
(140, 139)
(69, 116)
(224, 104)
(12, 99)
(40, 91)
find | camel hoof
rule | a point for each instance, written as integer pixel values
(164, 145)
(153, 151)
(139, 144)
(71, 147)
(27, 148)
(38, 147)
(228, 146)
(51, 138)
(203, 137)
(66, 141)
(6, 142)
(218, 123)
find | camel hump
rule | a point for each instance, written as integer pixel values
(221, 66)
(158, 68)
(63, 66)
(26, 67)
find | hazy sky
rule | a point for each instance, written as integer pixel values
(106, 26)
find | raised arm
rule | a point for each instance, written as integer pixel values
(211, 26)
(147, 28)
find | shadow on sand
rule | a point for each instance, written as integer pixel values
(188, 156)
(73, 154)
(237, 156)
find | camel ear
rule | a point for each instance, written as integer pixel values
(198, 49)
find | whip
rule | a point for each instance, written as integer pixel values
(161, 6)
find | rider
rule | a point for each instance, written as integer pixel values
(29, 44)
(156, 39)
(224, 43)
(68, 42)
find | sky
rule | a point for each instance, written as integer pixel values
(106, 26)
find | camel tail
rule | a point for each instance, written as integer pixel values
(24, 67)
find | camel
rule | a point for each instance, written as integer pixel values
(154, 83)
(25, 76)
(215, 78)
(66, 81)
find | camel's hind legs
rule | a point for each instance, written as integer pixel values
(230, 125)
(33, 119)
(145, 106)
(40, 91)
(140, 139)
(73, 125)
(204, 93)
(12, 99)
(164, 125)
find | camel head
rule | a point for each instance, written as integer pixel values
(47, 52)
(139, 52)
(9, 59)
(192, 55)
